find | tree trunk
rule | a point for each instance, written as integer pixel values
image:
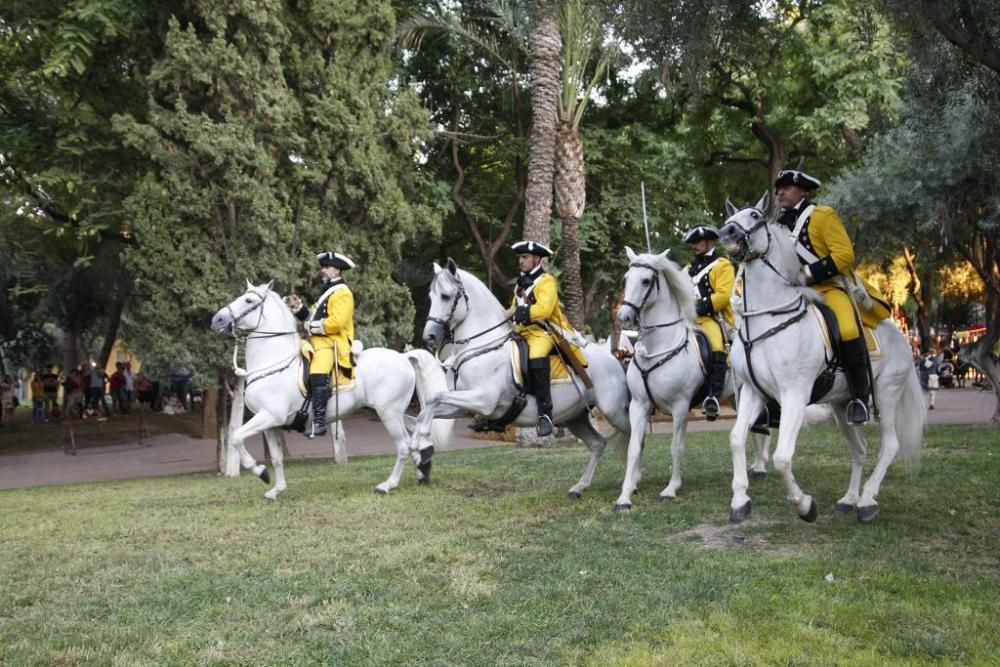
(209, 419)
(571, 290)
(115, 317)
(546, 47)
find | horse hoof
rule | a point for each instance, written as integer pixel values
(810, 516)
(868, 513)
(757, 474)
(740, 514)
(265, 476)
(380, 491)
(667, 499)
(623, 507)
(270, 499)
(842, 508)
(573, 495)
(424, 481)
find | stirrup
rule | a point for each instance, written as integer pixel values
(710, 407)
(320, 430)
(544, 425)
(857, 412)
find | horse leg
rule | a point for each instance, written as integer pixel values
(792, 416)
(581, 427)
(679, 411)
(750, 406)
(858, 451)
(262, 421)
(888, 448)
(761, 444)
(277, 460)
(396, 426)
(638, 411)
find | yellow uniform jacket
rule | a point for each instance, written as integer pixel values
(537, 300)
(332, 323)
(826, 252)
(713, 288)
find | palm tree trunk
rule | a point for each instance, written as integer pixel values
(571, 292)
(546, 49)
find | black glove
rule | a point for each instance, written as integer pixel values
(522, 315)
(703, 307)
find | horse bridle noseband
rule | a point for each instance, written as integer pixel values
(655, 283)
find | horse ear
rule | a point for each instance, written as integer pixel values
(765, 202)
(630, 254)
(452, 267)
(437, 268)
(665, 254)
(270, 284)
(249, 284)
(731, 209)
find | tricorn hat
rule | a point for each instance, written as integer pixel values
(796, 177)
(701, 233)
(531, 248)
(335, 259)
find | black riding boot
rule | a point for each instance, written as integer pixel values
(543, 394)
(320, 384)
(716, 385)
(854, 358)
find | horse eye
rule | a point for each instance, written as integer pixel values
(446, 297)
(248, 300)
(645, 281)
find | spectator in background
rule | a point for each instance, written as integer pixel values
(37, 398)
(129, 383)
(50, 381)
(119, 402)
(180, 384)
(96, 384)
(928, 372)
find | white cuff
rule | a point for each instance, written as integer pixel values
(316, 327)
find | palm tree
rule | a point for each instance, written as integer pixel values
(582, 36)
(545, 44)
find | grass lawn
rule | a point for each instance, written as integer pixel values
(493, 566)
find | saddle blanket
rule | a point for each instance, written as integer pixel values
(874, 350)
(558, 373)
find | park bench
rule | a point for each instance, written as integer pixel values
(75, 430)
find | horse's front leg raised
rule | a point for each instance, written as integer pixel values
(793, 413)
(638, 413)
(750, 405)
(262, 421)
(679, 411)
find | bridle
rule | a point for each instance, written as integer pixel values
(446, 322)
(242, 335)
(653, 284)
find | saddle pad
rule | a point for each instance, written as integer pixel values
(874, 350)
(558, 374)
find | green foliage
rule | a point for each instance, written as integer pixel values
(272, 134)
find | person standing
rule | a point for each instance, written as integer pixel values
(37, 398)
(827, 256)
(928, 371)
(97, 381)
(331, 332)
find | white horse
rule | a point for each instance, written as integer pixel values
(469, 320)
(666, 371)
(384, 380)
(780, 351)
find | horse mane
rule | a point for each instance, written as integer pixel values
(269, 295)
(678, 282)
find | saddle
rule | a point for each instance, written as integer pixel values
(341, 379)
(559, 374)
(832, 340)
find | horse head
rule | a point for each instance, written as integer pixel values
(245, 312)
(652, 280)
(744, 234)
(449, 305)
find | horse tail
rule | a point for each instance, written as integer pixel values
(431, 381)
(911, 418)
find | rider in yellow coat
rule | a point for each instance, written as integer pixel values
(713, 277)
(331, 329)
(827, 255)
(536, 301)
